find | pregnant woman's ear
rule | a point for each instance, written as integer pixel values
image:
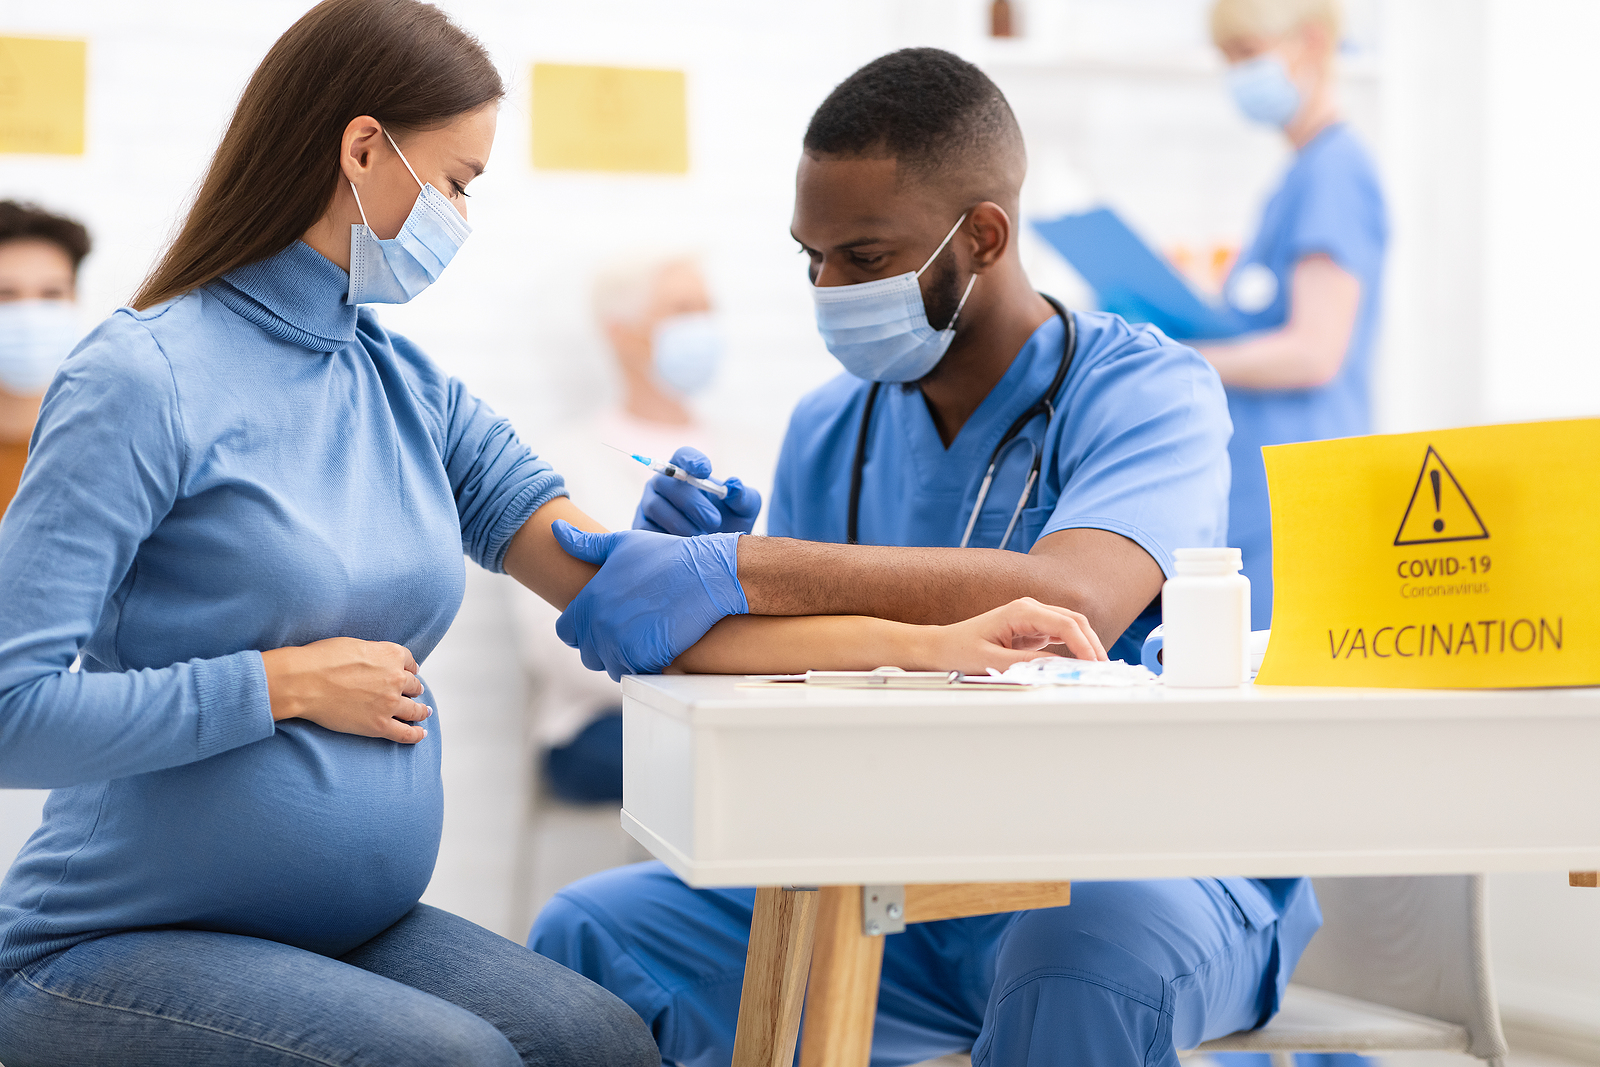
(348, 686)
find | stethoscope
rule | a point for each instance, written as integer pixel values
(1045, 406)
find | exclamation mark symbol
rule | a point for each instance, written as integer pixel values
(1438, 524)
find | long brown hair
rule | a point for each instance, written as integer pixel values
(402, 62)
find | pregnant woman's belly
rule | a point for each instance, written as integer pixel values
(311, 838)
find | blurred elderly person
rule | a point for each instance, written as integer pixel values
(39, 257)
(654, 310)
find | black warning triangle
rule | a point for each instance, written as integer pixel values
(1439, 509)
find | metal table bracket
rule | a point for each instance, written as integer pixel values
(883, 909)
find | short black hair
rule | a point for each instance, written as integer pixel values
(28, 221)
(925, 107)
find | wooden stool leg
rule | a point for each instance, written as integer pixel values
(775, 969)
(842, 998)
(1591, 879)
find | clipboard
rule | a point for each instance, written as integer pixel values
(885, 678)
(1132, 280)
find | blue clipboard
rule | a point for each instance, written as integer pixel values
(1134, 281)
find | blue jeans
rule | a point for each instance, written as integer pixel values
(1127, 974)
(433, 989)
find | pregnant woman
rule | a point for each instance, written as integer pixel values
(239, 531)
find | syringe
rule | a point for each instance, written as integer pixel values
(716, 489)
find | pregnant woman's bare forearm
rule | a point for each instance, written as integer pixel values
(538, 562)
(765, 644)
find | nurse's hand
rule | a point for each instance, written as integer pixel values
(348, 686)
(1023, 629)
(655, 596)
(674, 507)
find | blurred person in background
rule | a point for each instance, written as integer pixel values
(39, 257)
(655, 312)
(1309, 284)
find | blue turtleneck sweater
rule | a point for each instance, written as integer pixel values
(252, 465)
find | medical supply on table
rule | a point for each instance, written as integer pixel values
(879, 330)
(880, 678)
(35, 336)
(1046, 671)
(1205, 620)
(1045, 406)
(1062, 670)
(716, 489)
(1153, 642)
(1132, 280)
(394, 271)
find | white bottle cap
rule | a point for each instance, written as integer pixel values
(1208, 560)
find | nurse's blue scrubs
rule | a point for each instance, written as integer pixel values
(1131, 971)
(1136, 448)
(1330, 204)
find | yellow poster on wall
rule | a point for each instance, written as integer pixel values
(610, 119)
(1451, 559)
(42, 84)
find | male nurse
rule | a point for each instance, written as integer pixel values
(1308, 286)
(906, 204)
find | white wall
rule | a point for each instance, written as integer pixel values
(1542, 275)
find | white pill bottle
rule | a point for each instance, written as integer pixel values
(1205, 615)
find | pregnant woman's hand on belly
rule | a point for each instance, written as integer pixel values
(350, 686)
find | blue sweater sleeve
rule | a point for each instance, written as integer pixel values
(105, 466)
(497, 480)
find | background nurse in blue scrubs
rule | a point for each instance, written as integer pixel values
(1309, 285)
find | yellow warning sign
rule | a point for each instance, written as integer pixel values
(1451, 559)
(1452, 517)
(42, 95)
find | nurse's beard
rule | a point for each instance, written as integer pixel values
(939, 302)
(942, 296)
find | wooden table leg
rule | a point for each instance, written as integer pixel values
(775, 969)
(842, 998)
(1591, 879)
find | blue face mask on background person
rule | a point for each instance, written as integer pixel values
(1263, 90)
(35, 336)
(686, 350)
(394, 271)
(879, 330)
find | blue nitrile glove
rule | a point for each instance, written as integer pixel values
(674, 507)
(655, 596)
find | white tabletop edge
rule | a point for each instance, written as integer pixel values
(716, 699)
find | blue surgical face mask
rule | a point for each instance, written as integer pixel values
(1263, 90)
(686, 350)
(394, 271)
(879, 330)
(35, 336)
